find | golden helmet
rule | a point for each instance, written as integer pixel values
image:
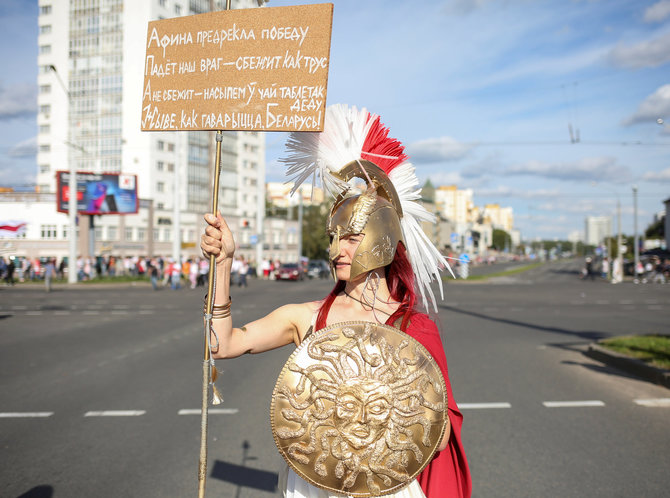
(375, 214)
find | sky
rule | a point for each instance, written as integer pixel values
(557, 108)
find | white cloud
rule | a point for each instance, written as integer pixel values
(517, 193)
(657, 176)
(432, 150)
(649, 53)
(655, 106)
(657, 12)
(587, 169)
(26, 148)
(18, 101)
(445, 178)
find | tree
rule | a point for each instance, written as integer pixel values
(500, 239)
(656, 230)
(314, 237)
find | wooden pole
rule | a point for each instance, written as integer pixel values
(206, 373)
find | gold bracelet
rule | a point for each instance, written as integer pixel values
(218, 307)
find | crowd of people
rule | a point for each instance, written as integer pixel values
(651, 269)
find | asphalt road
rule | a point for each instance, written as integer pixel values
(98, 383)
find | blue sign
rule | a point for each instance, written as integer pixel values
(454, 238)
(253, 239)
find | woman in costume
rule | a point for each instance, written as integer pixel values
(379, 258)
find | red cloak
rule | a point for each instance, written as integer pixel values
(447, 475)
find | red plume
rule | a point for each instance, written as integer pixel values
(378, 142)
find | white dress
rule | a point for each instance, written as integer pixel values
(296, 487)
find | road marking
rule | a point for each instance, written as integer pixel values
(147, 312)
(651, 307)
(19, 307)
(664, 402)
(625, 301)
(115, 413)
(91, 312)
(211, 411)
(482, 406)
(61, 313)
(33, 313)
(602, 301)
(119, 312)
(570, 404)
(25, 414)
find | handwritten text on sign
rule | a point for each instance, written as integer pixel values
(249, 69)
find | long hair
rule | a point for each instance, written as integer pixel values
(400, 282)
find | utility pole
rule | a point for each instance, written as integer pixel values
(299, 224)
(636, 238)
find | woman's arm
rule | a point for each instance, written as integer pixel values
(272, 331)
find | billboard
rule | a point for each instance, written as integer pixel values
(99, 193)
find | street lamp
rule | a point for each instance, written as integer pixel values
(72, 191)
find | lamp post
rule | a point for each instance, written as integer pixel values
(636, 239)
(72, 191)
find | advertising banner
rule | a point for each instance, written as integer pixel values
(99, 193)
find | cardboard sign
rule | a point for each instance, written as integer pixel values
(263, 69)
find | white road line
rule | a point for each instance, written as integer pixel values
(651, 307)
(116, 413)
(602, 301)
(147, 312)
(570, 404)
(482, 406)
(61, 313)
(91, 312)
(19, 307)
(663, 402)
(33, 313)
(625, 301)
(119, 312)
(25, 414)
(211, 411)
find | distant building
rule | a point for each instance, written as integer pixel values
(279, 194)
(501, 218)
(597, 229)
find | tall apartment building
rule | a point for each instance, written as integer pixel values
(90, 78)
(455, 204)
(499, 217)
(597, 228)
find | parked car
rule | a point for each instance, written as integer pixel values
(318, 268)
(289, 271)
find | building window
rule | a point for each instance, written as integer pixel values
(141, 234)
(129, 233)
(161, 3)
(177, 9)
(170, 167)
(167, 235)
(160, 145)
(45, 148)
(111, 233)
(44, 168)
(160, 187)
(45, 128)
(170, 147)
(65, 227)
(45, 49)
(45, 10)
(48, 231)
(160, 206)
(45, 108)
(98, 233)
(45, 29)
(159, 165)
(45, 88)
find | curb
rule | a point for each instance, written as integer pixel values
(630, 365)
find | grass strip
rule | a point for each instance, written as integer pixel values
(653, 349)
(505, 273)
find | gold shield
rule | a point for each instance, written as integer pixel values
(359, 408)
